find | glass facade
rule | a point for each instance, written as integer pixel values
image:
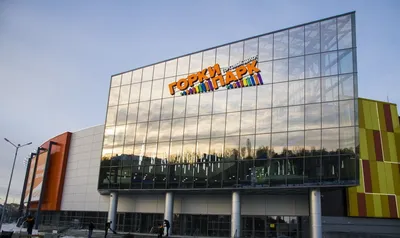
(298, 128)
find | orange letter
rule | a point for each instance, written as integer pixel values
(202, 75)
(240, 71)
(183, 84)
(230, 77)
(192, 78)
(252, 67)
(213, 70)
(171, 88)
(220, 78)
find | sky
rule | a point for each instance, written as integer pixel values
(56, 57)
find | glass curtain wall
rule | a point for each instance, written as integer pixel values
(297, 129)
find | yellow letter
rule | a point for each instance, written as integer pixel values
(240, 71)
(192, 79)
(202, 75)
(212, 70)
(251, 68)
(171, 88)
(229, 77)
(183, 84)
(220, 79)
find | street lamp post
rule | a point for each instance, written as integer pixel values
(12, 171)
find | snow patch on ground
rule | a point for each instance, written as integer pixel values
(13, 227)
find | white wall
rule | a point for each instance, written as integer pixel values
(81, 177)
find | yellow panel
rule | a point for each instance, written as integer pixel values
(389, 178)
(367, 114)
(363, 144)
(352, 204)
(374, 116)
(398, 206)
(395, 118)
(385, 205)
(381, 177)
(361, 188)
(381, 114)
(396, 178)
(371, 145)
(361, 115)
(385, 146)
(370, 205)
(374, 177)
(397, 143)
(377, 205)
(392, 147)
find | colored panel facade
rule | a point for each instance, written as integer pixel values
(378, 194)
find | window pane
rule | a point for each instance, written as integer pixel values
(192, 105)
(152, 133)
(218, 128)
(147, 74)
(111, 116)
(346, 86)
(296, 92)
(296, 118)
(189, 152)
(109, 133)
(281, 45)
(137, 76)
(330, 140)
(183, 65)
(347, 140)
(329, 63)
(135, 93)
(236, 53)
(132, 113)
(249, 98)
(279, 144)
(190, 128)
(166, 108)
(116, 81)
(250, 48)
(313, 88)
(175, 153)
(280, 94)
(328, 35)
(124, 95)
(265, 47)
(141, 131)
(126, 78)
(280, 70)
(234, 100)
(155, 107)
(313, 116)
(313, 141)
(130, 134)
(312, 36)
(296, 68)
(159, 71)
(223, 56)
(232, 124)
(231, 147)
(143, 111)
(170, 68)
(347, 113)
(177, 129)
(344, 32)
(248, 123)
(265, 71)
(247, 147)
(296, 41)
(330, 114)
(165, 130)
(345, 61)
(114, 96)
(264, 96)
(167, 81)
(179, 106)
(312, 66)
(157, 89)
(122, 113)
(279, 119)
(263, 145)
(145, 91)
(119, 135)
(263, 121)
(206, 103)
(204, 127)
(195, 63)
(219, 104)
(295, 143)
(203, 147)
(330, 88)
(208, 58)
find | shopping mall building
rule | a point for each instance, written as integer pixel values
(263, 137)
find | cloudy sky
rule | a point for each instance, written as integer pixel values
(56, 57)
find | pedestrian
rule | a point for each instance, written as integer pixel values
(107, 226)
(160, 231)
(91, 227)
(30, 222)
(167, 225)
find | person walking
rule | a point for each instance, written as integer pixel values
(30, 222)
(91, 227)
(167, 226)
(160, 231)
